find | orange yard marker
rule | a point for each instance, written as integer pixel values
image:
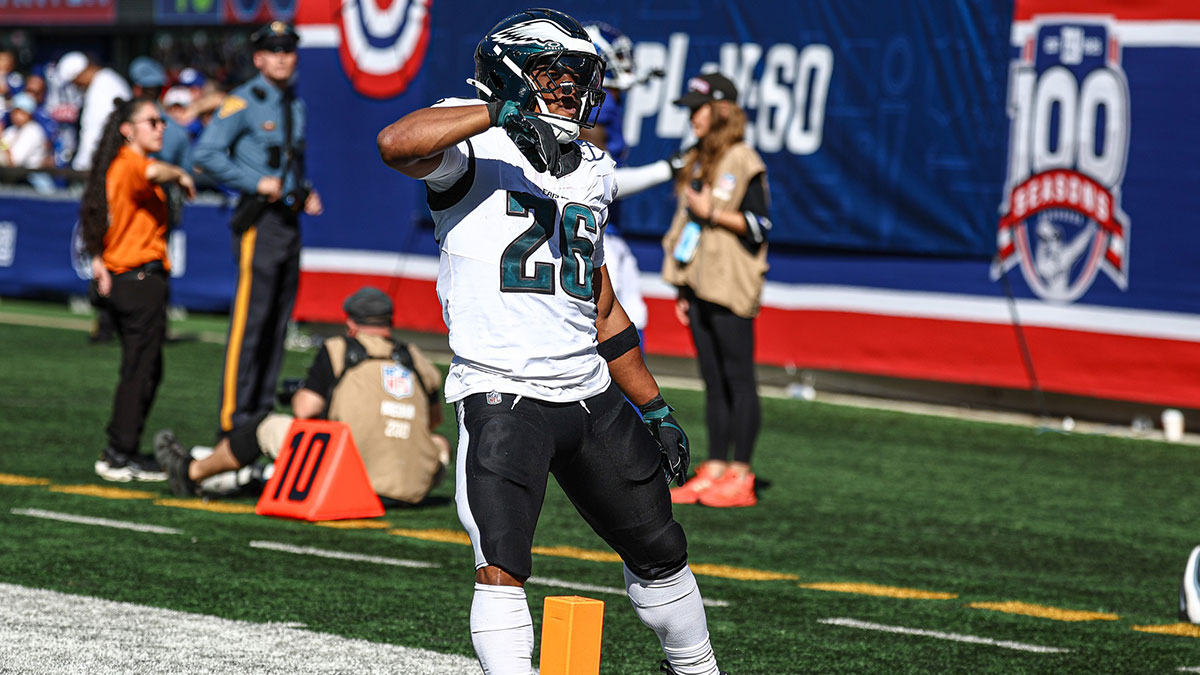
(319, 475)
(572, 628)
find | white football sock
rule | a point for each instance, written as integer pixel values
(672, 608)
(502, 630)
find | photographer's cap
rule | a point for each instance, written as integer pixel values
(369, 306)
(708, 87)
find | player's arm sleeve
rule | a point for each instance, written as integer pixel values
(455, 164)
(634, 179)
(754, 208)
(212, 150)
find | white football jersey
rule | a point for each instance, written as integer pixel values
(518, 248)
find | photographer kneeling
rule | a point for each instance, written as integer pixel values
(387, 392)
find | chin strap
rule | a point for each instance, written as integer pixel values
(483, 89)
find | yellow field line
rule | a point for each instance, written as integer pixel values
(11, 479)
(103, 491)
(1181, 629)
(1044, 612)
(356, 524)
(201, 505)
(882, 591)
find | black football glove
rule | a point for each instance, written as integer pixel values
(672, 442)
(534, 137)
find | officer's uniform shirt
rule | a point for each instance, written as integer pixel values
(518, 303)
(245, 142)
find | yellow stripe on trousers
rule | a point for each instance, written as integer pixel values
(237, 328)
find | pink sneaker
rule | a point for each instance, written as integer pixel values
(689, 492)
(730, 490)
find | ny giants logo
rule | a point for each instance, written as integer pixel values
(1061, 219)
(383, 43)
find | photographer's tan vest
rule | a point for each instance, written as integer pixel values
(388, 416)
(722, 271)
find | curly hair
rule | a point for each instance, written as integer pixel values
(93, 206)
(727, 128)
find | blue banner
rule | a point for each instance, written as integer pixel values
(882, 125)
(40, 253)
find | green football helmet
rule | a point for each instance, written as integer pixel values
(542, 55)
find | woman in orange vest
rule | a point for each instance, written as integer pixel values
(716, 256)
(123, 216)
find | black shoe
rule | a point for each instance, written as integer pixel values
(666, 669)
(123, 467)
(175, 459)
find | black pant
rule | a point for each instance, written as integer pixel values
(139, 310)
(601, 455)
(725, 349)
(268, 256)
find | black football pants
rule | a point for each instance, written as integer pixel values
(600, 453)
(139, 310)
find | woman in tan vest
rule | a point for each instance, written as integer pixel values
(716, 255)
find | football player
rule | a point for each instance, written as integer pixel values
(519, 208)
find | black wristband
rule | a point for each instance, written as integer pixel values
(493, 108)
(655, 403)
(613, 347)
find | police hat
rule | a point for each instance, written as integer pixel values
(369, 306)
(275, 35)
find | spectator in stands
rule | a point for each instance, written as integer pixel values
(23, 142)
(11, 81)
(101, 86)
(716, 256)
(386, 391)
(123, 216)
(176, 101)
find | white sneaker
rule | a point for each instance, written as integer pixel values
(1189, 589)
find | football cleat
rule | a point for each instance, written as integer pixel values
(175, 459)
(542, 54)
(1189, 589)
(122, 467)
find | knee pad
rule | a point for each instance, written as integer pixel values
(243, 441)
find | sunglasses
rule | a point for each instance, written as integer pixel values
(155, 122)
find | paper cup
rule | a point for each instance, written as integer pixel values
(1172, 424)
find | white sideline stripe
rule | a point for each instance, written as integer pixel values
(1163, 33)
(956, 637)
(341, 555)
(611, 590)
(50, 632)
(1189, 669)
(833, 298)
(88, 520)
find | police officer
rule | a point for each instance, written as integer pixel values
(255, 145)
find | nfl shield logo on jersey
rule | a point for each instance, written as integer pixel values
(397, 380)
(1061, 219)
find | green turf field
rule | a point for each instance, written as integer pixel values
(854, 502)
